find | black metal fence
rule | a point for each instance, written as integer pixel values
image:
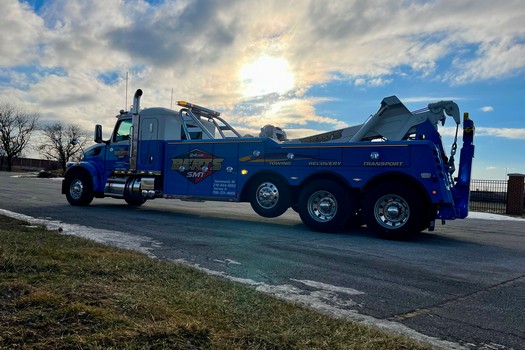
(488, 196)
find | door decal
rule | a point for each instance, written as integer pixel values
(196, 165)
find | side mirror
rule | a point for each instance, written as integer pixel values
(98, 133)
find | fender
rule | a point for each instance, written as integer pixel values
(94, 172)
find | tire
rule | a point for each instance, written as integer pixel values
(79, 189)
(324, 206)
(270, 196)
(394, 210)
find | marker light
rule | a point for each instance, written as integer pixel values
(198, 109)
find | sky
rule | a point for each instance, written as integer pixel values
(307, 66)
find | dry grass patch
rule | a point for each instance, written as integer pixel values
(65, 292)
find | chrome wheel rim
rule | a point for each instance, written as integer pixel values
(392, 211)
(267, 195)
(76, 188)
(322, 206)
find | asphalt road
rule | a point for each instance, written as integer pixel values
(460, 286)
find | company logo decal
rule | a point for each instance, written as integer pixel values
(121, 152)
(196, 165)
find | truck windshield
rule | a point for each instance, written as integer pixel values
(122, 130)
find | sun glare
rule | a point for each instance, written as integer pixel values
(266, 75)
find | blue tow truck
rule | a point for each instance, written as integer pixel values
(391, 173)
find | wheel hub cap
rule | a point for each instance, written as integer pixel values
(392, 211)
(322, 206)
(76, 189)
(267, 195)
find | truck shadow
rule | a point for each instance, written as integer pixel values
(120, 216)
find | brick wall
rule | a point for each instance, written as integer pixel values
(30, 164)
(515, 192)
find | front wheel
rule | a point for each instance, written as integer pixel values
(79, 189)
(325, 205)
(394, 210)
(270, 196)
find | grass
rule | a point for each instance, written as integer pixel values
(63, 292)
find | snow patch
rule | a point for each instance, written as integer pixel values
(118, 239)
(330, 287)
(227, 261)
(490, 216)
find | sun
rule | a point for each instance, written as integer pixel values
(266, 75)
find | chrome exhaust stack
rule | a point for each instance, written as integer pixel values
(136, 101)
(134, 131)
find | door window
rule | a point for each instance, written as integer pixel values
(123, 130)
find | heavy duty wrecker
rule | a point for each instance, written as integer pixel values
(391, 172)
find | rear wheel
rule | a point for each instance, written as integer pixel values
(270, 196)
(325, 205)
(394, 210)
(79, 189)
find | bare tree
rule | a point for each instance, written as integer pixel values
(16, 127)
(62, 142)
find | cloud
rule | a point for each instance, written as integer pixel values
(292, 114)
(21, 32)
(83, 49)
(508, 133)
(373, 82)
(496, 59)
(76, 34)
(487, 109)
(192, 35)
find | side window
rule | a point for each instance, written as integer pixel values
(122, 131)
